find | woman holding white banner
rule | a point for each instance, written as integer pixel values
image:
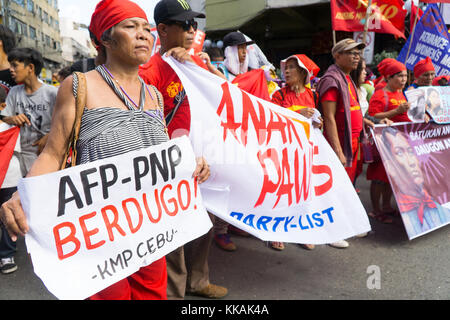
(391, 103)
(298, 97)
(112, 123)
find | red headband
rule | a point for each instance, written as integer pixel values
(392, 68)
(423, 66)
(383, 64)
(108, 13)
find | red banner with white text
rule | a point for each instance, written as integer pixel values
(387, 16)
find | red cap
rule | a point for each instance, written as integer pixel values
(423, 66)
(304, 63)
(436, 80)
(382, 65)
(108, 13)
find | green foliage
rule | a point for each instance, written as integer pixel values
(383, 55)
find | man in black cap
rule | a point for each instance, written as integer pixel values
(187, 266)
(236, 55)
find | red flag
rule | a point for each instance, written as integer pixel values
(199, 39)
(435, 1)
(387, 16)
(254, 82)
(8, 141)
(414, 12)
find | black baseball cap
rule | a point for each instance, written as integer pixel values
(174, 10)
(235, 38)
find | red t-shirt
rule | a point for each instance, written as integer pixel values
(355, 109)
(287, 98)
(158, 73)
(378, 102)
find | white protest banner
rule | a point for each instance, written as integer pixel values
(271, 174)
(435, 100)
(97, 223)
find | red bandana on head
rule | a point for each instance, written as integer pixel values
(108, 13)
(423, 66)
(392, 68)
(383, 64)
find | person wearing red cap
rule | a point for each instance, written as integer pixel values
(187, 266)
(296, 96)
(113, 122)
(388, 102)
(381, 82)
(442, 81)
(424, 74)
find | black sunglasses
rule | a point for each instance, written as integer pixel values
(185, 25)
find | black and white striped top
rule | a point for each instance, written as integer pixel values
(108, 131)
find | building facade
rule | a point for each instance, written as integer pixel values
(36, 25)
(75, 41)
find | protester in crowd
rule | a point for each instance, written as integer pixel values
(222, 229)
(7, 43)
(341, 111)
(296, 96)
(380, 82)
(368, 83)
(236, 54)
(359, 77)
(424, 74)
(8, 187)
(29, 105)
(419, 211)
(86, 64)
(124, 37)
(187, 266)
(217, 59)
(391, 103)
(63, 74)
(7, 246)
(441, 81)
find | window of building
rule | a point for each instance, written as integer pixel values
(45, 16)
(20, 2)
(18, 26)
(55, 4)
(47, 40)
(32, 33)
(30, 6)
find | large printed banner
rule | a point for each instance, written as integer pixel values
(416, 157)
(272, 175)
(95, 224)
(434, 100)
(387, 16)
(430, 39)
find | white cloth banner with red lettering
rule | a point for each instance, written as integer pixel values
(97, 223)
(271, 174)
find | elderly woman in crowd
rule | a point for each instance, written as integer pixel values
(298, 97)
(121, 114)
(424, 74)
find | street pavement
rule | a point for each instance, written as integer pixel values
(407, 270)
